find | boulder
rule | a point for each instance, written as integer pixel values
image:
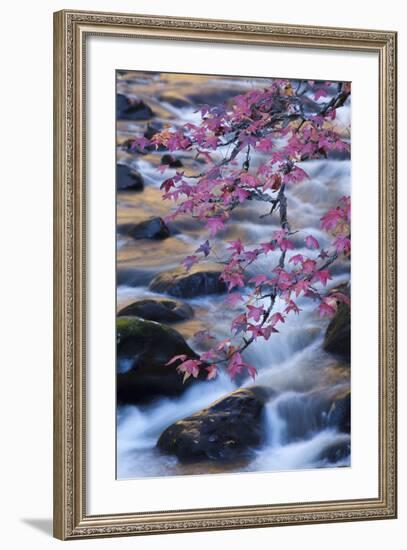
(132, 109)
(146, 347)
(336, 451)
(175, 101)
(152, 309)
(201, 279)
(339, 413)
(128, 179)
(231, 427)
(171, 161)
(153, 228)
(337, 337)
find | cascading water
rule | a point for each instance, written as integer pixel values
(304, 378)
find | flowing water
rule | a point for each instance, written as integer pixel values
(291, 362)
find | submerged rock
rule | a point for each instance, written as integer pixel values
(305, 414)
(336, 451)
(231, 427)
(153, 228)
(147, 346)
(128, 109)
(171, 161)
(153, 309)
(201, 279)
(337, 337)
(128, 179)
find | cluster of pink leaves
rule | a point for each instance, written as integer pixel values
(304, 276)
(273, 122)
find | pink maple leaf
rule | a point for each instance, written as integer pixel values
(233, 279)
(211, 142)
(255, 312)
(322, 276)
(268, 331)
(140, 143)
(286, 244)
(189, 261)
(241, 194)
(236, 246)
(331, 219)
(256, 331)
(190, 367)
(326, 310)
(239, 323)
(214, 225)
(258, 279)
(268, 247)
(296, 259)
(311, 242)
(340, 297)
(167, 184)
(212, 372)
(296, 175)
(292, 306)
(249, 180)
(323, 254)
(205, 248)
(309, 266)
(342, 244)
(176, 358)
(301, 286)
(235, 365)
(277, 318)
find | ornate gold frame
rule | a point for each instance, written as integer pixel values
(70, 518)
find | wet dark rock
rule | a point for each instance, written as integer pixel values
(128, 179)
(165, 311)
(335, 451)
(339, 415)
(171, 161)
(132, 109)
(147, 346)
(337, 337)
(177, 102)
(153, 228)
(150, 132)
(201, 279)
(231, 427)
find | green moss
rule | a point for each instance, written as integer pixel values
(135, 326)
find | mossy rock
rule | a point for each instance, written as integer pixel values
(153, 309)
(147, 346)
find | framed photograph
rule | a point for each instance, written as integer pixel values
(225, 274)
